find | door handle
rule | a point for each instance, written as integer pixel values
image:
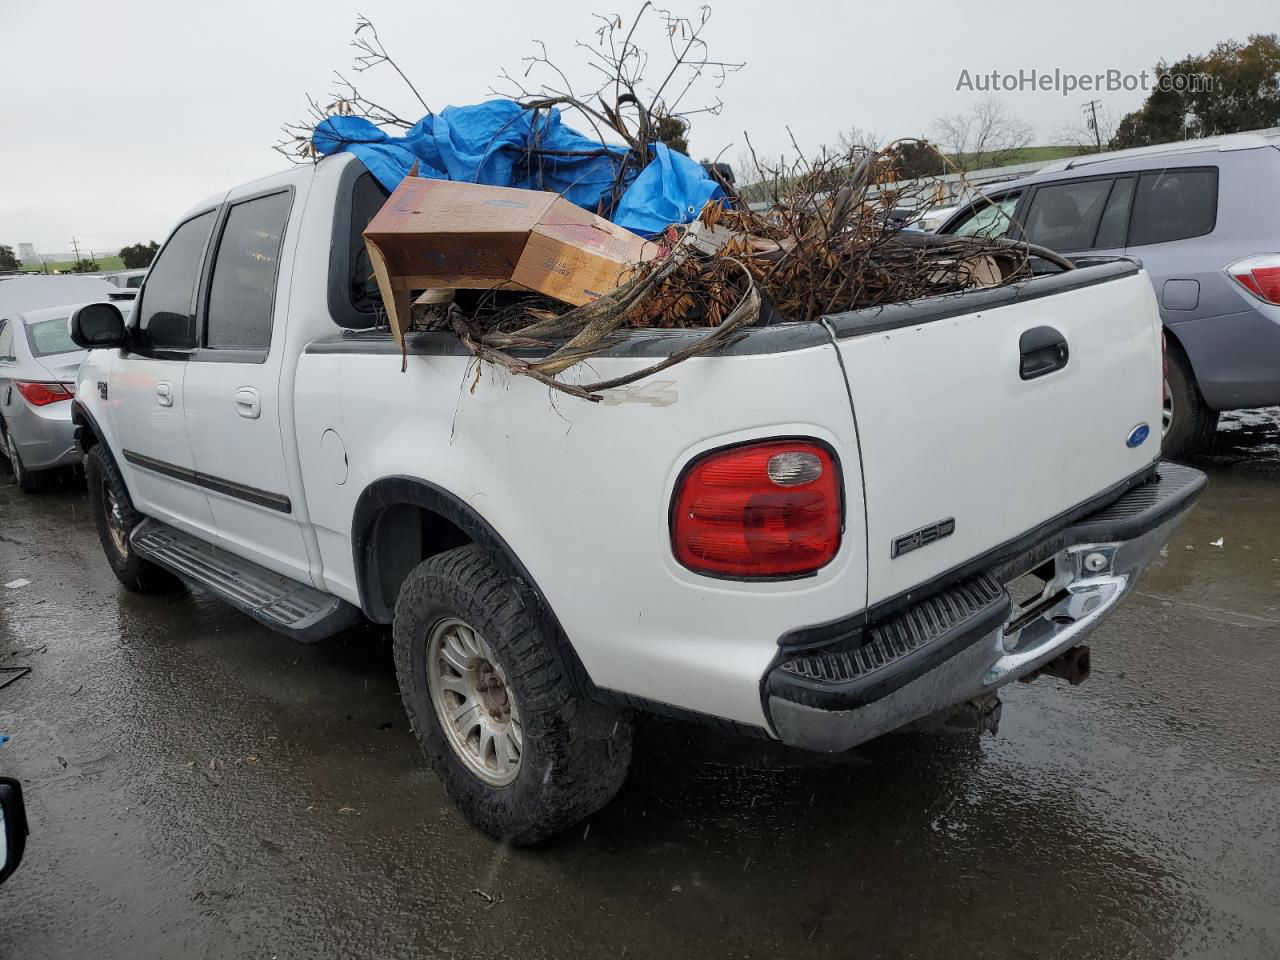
(164, 394)
(248, 404)
(1043, 350)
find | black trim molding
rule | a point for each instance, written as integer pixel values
(239, 491)
(844, 629)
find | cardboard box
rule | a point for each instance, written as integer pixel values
(433, 234)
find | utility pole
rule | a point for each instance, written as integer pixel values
(76, 247)
(1092, 121)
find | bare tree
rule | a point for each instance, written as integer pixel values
(1084, 135)
(856, 139)
(985, 135)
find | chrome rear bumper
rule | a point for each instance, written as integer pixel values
(969, 640)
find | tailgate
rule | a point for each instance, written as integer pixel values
(960, 453)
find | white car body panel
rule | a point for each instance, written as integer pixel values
(599, 546)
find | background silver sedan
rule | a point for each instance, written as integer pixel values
(38, 365)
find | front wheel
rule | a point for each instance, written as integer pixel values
(116, 519)
(520, 754)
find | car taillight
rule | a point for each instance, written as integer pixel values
(1259, 275)
(42, 394)
(770, 509)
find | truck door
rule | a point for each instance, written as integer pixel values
(233, 387)
(145, 387)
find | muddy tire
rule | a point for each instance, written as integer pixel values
(116, 518)
(27, 481)
(1190, 425)
(519, 753)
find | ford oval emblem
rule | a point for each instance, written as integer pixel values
(1138, 435)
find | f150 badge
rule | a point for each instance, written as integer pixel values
(922, 537)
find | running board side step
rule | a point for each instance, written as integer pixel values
(276, 601)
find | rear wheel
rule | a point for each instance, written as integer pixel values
(520, 754)
(27, 481)
(1189, 425)
(116, 519)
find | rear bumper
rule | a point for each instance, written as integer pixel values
(45, 436)
(969, 640)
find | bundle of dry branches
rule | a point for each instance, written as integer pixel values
(826, 243)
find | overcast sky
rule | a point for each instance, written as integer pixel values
(119, 116)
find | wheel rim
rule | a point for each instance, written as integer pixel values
(473, 702)
(115, 520)
(1166, 415)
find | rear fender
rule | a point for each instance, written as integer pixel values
(389, 492)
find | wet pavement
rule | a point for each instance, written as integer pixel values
(200, 787)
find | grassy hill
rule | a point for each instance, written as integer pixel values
(105, 265)
(1044, 154)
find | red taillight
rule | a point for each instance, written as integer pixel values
(1259, 275)
(42, 394)
(768, 509)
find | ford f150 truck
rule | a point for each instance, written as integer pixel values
(818, 534)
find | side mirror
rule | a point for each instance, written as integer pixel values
(98, 325)
(13, 827)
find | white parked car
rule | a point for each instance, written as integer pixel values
(126, 279)
(819, 534)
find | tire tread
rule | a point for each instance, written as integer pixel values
(577, 752)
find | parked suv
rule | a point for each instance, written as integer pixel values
(1203, 217)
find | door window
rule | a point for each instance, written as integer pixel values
(1174, 205)
(243, 286)
(1065, 216)
(6, 340)
(991, 219)
(166, 315)
(1115, 218)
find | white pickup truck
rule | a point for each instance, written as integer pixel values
(818, 534)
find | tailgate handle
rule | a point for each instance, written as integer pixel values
(1043, 350)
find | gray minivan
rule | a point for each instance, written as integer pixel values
(1203, 217)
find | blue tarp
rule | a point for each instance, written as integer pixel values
(488, 143)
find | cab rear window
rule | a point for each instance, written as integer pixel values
(367, 198)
